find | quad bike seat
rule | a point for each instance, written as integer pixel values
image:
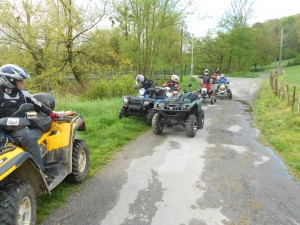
(191, 95)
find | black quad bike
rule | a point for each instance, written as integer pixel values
(142, 105)
(186, 110)
(65, 158)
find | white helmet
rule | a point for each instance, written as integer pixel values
(139, 78)
(169, 94)
(10, 74)
(206, 71)
(175, 78)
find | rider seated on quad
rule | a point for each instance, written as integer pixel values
(206, 82)
(173, 84)
(145, 84)
(12, 96)
(216, 76)
(222, 80)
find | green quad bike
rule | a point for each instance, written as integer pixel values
(65, 158)
(186, 110)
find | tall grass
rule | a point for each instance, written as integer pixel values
(280, 125)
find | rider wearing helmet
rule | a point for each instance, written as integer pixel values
(222, 80)
(206, 77)
(173, 83)
(145, 83)
(12, 96)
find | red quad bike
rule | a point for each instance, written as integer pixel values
(207, 93)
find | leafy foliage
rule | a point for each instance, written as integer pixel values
(109, 87)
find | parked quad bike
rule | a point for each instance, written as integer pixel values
(223, 90)
(186, 110)
(142, 106)
(207, 93)
(64, 157)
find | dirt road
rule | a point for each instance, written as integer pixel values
(221, 176)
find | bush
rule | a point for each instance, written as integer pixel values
(295, 62)
(109, 88)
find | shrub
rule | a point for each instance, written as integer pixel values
(109, 87)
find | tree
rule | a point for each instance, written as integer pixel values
(70, 23)
(22, 30)
(50, 31)
(148, 27)
(235, 27)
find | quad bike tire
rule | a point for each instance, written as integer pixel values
(80, 162)
(229, 94)
(150, 116)
(17, 204)
(200, 121)
(191, 126)
(121, 113)
(157, 124)
(212, 101)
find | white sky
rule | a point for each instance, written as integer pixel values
(263, 10)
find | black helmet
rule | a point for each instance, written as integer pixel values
(10, 74)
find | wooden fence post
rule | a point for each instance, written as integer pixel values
(294, 96)
(271, 80)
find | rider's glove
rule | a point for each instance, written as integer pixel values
(54, 116)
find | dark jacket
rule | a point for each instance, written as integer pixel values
(12, 99)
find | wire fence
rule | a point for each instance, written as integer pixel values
(286, 92)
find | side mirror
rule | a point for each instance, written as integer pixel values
(136, 86)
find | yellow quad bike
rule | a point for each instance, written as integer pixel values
(64, 157)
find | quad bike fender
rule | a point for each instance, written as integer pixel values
(19, 163)
(11, 160)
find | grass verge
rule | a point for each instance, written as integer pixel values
(279, 127)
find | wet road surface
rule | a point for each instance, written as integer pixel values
(223, 175)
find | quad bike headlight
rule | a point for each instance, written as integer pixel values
(222, 87)
(185, 107)
(162, 105)
(146, 103)
(126, 99)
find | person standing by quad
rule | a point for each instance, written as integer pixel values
(12, 96)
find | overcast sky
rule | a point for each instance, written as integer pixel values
(263, 10)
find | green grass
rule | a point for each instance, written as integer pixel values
(292, 76)
(280, 125)
(106, 134)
